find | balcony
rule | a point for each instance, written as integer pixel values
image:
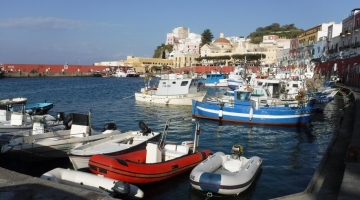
(342, 34)
(348, 32)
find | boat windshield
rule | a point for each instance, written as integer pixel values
(244, 96)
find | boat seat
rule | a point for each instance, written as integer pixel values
(79, 131)
(16, 118)
(153, 153)
(4, 116)
(232, 165)
(171, 154)
(183, 149)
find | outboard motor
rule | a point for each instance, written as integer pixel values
(121, 189)
(236, 151)
(109, 126)
(67, 121)
(144, 129)
(60, 116)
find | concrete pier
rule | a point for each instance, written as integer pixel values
(338, 174)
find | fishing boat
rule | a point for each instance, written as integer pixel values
(215, 79)
(226, 174)
(112, 145)
(119, 73)
(156, 163)
(245, 110)
(94, 183)
(172, 89)
(42, 145)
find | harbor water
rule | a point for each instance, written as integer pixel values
(290, 154)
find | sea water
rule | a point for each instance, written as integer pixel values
(290, 154)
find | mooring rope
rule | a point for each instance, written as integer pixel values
(129, 96)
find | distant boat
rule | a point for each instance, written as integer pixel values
(97, 74)
(172, 89)
(215, 79)
(119, 73)
(132, 73)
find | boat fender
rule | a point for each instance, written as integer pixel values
(166, 100)
(251, 113)
(109, 126)
(220, 114)
(121, 189)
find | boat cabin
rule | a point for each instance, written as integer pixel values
(173, 84)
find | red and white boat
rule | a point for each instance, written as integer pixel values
(156, 163)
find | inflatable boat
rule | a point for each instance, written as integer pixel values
(100, 184)
(156, 163)
(225, 174)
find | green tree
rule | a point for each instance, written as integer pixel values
(206, 37)
(287, 31)
(162, 48)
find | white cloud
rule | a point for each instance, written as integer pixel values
(48, 23)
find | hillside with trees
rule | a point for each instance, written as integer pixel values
(288, 31)
(158, 53)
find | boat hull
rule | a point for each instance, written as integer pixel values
(170, 99)
(131, 167)
(288, 116)
(211, 175)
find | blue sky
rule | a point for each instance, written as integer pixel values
(88, 31)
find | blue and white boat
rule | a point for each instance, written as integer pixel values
(214, 79)
(236, 78)
(245, 110)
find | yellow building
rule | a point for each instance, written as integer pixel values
(148, 64)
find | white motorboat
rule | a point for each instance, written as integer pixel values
(132, 73)
(172, 89)
(94, 183)
(226, 174)
(112, 145)
(18, 119)
(51, 145)
(119, 73)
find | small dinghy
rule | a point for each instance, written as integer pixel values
(225, 174)
(95, 183)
